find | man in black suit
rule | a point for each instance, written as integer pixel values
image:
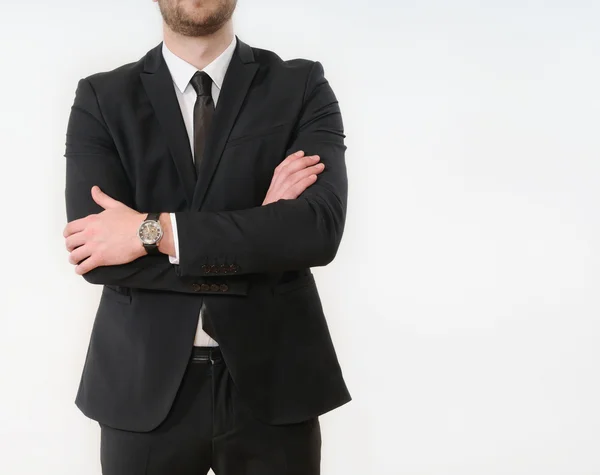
(203, 182)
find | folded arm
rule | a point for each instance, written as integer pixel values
(299, 225)
(91, 159)
(286, 234)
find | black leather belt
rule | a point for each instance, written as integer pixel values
(206, 354)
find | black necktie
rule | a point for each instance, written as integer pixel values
(203, 112)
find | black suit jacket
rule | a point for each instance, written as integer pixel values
(126, 134)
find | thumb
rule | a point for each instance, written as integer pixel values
(103, 199)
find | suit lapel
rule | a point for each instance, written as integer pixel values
(239, 76)
(158, 84)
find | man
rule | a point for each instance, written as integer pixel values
(203, 183)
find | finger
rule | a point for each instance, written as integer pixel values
(300, 164)
(289, 159)
(304, 172)
(292, 167)
(103, 199)
(75, 226)
(79, 254)
(301, 175)
(74, 241)
(87, 265)
(292, 157)
(298, 188)
(286, 179)
(303, 162)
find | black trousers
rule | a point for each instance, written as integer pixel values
(210, 427)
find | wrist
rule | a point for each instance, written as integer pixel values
(139, 249)
(166, 245)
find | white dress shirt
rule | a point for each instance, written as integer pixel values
(182, 72)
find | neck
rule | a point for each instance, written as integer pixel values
(199, 51)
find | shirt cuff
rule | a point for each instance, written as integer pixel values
(174, 260)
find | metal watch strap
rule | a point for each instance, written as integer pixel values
(152, 249)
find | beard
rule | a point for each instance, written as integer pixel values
(188, 19)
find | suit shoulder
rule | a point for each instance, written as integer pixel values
(270, 58)
(298, 74)
(117, 78)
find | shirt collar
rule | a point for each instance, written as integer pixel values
(182, 71)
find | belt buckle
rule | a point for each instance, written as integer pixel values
(212, 358)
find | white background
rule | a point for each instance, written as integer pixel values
(464, 299)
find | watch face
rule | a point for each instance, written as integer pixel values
(150, 232)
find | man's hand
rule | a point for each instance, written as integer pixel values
(292, 176)
(104, 239)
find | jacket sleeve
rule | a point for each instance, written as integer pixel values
(287, 234)
(92, 159)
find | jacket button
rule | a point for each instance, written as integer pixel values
(224, 287)
(205, 287)
(196, 287)
(214, 287)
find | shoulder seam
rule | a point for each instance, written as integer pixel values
(310, 73)
(98, 105)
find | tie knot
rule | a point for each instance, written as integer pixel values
(201, 82)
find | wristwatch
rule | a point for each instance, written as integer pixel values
(150, 233)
